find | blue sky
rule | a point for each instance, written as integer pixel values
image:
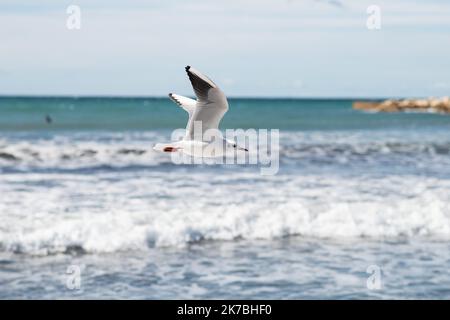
(292, 48)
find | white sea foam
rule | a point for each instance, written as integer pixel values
(84, 151)
(44, 212)
(111, 212)
(81, 151)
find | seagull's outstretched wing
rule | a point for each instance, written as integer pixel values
(187, 104)
(211, 103)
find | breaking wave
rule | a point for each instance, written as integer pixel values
(120, 210)
(67, 152)
(141, 211)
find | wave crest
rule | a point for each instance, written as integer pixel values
(175, 223)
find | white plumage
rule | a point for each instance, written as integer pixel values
(207, 110)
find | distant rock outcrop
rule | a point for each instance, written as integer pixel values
(440, 105)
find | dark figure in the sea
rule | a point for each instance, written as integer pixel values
(48, 119)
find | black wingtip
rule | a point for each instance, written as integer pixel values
(187, 68)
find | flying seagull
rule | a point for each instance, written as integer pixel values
(207, 110)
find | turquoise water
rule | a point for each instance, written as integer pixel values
(23, 114)
(353, 190)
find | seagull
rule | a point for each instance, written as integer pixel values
(207, 110)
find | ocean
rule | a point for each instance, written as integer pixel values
(359, 209)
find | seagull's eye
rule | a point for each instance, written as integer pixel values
(234, 145)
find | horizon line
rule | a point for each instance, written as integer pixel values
(89, 96)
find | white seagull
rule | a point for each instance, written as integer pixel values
(208, 110)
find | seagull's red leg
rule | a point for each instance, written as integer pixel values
(170, 149)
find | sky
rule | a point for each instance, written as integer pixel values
(250, 48)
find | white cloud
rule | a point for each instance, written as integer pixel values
(141, 47)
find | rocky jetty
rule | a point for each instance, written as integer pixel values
(440, 105)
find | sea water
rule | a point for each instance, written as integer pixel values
(360, 207)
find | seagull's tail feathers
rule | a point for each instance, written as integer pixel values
(187, 104)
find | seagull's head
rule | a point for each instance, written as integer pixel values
(231, 144)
